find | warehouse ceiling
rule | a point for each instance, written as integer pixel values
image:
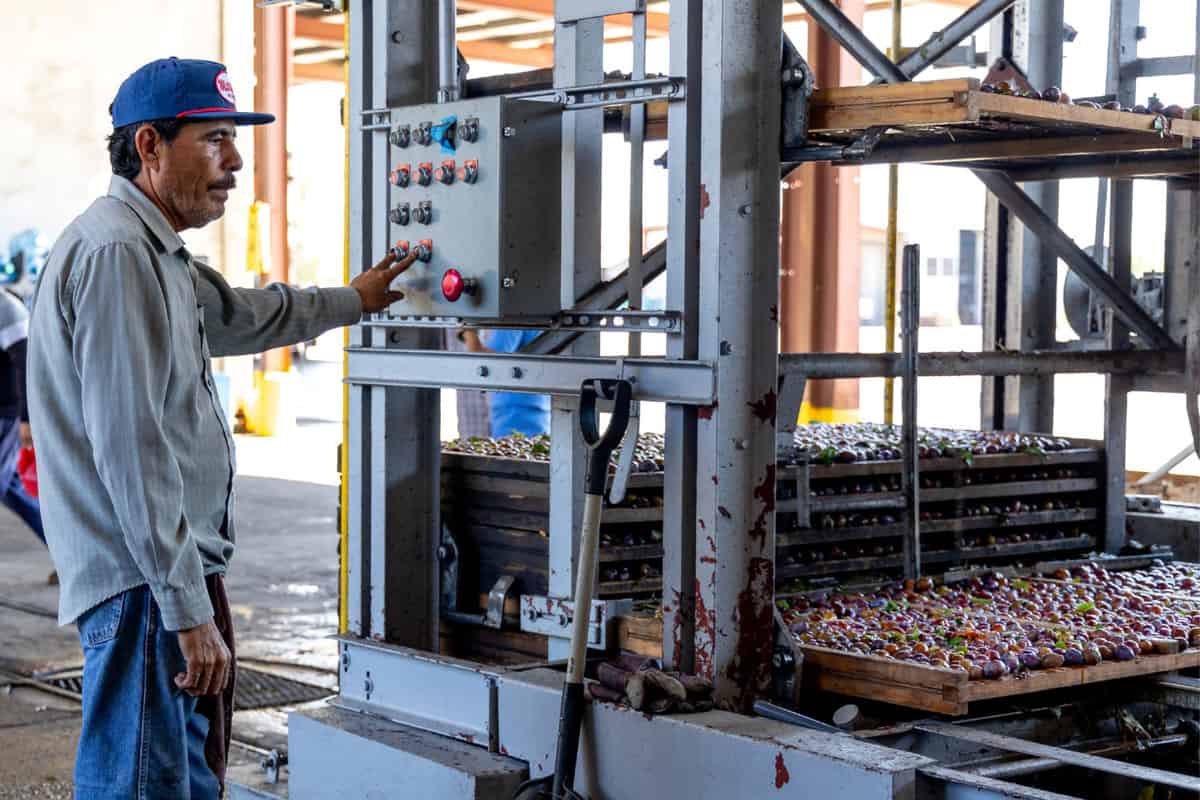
(516, 32)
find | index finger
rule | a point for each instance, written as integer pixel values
(388, 259)
(402, 265)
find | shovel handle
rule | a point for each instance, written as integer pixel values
(602, 443)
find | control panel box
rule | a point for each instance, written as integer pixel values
(475, 189)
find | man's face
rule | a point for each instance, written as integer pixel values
(195, 172)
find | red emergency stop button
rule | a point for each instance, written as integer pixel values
(454, 285)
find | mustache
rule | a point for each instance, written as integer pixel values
(227, 184)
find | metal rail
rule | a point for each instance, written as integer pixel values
(825, 366)
(1066, 757)
(662, 380)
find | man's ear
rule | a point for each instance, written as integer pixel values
(148, 141)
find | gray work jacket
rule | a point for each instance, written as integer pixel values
(135, 459)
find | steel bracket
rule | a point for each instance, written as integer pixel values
(551, 616)
(496, 599)
(582, 321)
(613, 93)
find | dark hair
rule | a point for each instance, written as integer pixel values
(122, 150)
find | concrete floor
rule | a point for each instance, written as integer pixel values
(283, 590)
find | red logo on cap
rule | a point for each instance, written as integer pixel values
(225, 87)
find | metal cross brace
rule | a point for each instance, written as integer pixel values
(849, 36)
(1005, 188)
(1124, 306)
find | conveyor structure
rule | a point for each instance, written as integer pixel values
(497, 183)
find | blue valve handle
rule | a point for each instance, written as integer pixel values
(443, 133)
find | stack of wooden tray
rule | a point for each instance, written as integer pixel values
(834, 521)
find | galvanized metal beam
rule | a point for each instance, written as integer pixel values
(1158, 67)
(655, 379)
(1033, 273)
(682, 252)
(1124, 16)
(739, 334)
(851, 37)
(1021, 205)
(393, 505)
(817, 366)
(578, 61)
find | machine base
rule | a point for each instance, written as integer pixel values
(337, 754)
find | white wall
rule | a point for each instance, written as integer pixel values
(62, 61)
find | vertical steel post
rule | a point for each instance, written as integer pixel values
(1033, 285)
(447, 11)
(394, 447)
(997, 260)
(1020, 272)
(680, 588)
(1123, 22)
(910, 321)
(578, 51)
(739, 334)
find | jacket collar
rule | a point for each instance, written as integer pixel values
(128, 193)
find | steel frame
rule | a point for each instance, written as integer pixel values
(1026, 310)
(720, 382)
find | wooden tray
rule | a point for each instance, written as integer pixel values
(948, 692)
(917, 686)
(952, 122)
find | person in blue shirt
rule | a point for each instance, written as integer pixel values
(511, 412)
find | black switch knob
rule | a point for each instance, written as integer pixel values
(400, 214)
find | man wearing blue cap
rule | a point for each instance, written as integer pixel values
(135, 460)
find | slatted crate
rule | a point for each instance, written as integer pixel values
(498, 511)
(995, 508)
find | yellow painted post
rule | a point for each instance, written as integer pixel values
(889, 319)
(343, 550)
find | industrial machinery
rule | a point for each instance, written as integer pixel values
(496, 183)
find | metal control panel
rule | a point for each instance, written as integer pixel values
(475, 190)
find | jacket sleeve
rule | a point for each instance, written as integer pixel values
(121, 342)
(242, 321)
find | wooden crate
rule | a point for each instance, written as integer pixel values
(917, 686)
(498, 510)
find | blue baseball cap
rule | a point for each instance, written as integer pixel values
(180, 88)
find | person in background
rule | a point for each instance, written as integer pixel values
(511, 412)
(474, 418)
(14, 413)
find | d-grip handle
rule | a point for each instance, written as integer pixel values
(601, 445)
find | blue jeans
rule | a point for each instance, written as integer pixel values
(142, 738)
(24, 505)
(12, 491)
